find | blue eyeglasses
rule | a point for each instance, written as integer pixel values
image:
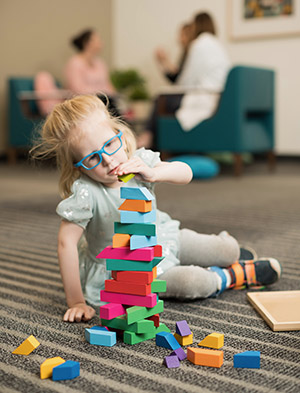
(94, 159)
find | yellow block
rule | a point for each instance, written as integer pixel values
(120, 240)
(27, 346)
(213, 340)
(48, 365)
(184, 340)
(126, 178)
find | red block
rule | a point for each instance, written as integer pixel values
(133, 277)
(155, 319)
(127, 287)
(158, 250)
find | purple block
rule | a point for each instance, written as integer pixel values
(171, 361)
(179, 352)
(182, 328)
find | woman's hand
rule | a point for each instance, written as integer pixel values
(78, 312)
(137, 166)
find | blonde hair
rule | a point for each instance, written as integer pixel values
(56, 135)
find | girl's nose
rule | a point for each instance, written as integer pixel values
(106, 160)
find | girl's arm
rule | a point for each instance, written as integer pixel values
(68, 237)
(168, 172)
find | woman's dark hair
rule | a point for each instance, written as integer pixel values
(82, 39)
(204, 24)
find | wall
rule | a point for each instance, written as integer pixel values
(142, 25)
(35, 34)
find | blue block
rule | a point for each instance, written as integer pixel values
(66, 370)
(166, 340)
(248, 359)
(97, 327)
(129, 217)
(100, 337)
(141, 193)
(137, 241)
(132, 266)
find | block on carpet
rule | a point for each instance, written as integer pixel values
(205, 357)
(182, 328)
(67, 370)
(179, 352)
(100, 337)
(213, 340)
(47, 366)
(27, 346)
(184, 340)
(247, 359)
(171, 361)
(136, 193)
(166, 340)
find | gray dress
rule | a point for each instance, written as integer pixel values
(94, 207)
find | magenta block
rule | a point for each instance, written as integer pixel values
(141, 254)
(130, 300)
(182, 328)
(111, 311)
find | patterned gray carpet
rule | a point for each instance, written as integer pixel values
(261, 211)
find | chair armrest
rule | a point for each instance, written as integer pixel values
(47, 95)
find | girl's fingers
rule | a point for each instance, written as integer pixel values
(78, 315)
(66, 316)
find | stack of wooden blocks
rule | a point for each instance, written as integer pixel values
(132, 293)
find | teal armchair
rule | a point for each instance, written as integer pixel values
(243, 121)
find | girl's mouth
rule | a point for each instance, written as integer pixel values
(112, 172)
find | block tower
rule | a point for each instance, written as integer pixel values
(132, 293)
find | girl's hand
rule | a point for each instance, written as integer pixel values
(137, 166)
(78, 312)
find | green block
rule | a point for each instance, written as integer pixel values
(158, 286)
(137, 266)
(137, 313)
(134, 338)
(135, 229)
(143, 326)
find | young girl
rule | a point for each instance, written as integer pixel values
(92, 149)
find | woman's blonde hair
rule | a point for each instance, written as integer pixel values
(56, 135)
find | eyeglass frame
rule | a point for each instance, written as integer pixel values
(100, 152)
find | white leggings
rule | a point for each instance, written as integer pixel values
(190, 280)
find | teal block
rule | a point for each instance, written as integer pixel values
(135, 229)
(166, 340)
(137, 241)
(136, 193)
(100, 337)
(136, 266)
(66, 370)
(247, 359)
(130, 217)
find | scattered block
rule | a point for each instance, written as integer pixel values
(205, 357)
(100, 337)
(213, 340)
(248, 359)
(136, 205)
(159, 286)
(182, 328)
(133, 277)
(166, 340)
(132, 338)
(136, 313)
(127, 288)
(112, 310)
(138, 241)
(136, 193)
(155, 319)
(179, 352)
(135, 229)
(66, 370)
(120, 323)
(130, 300)
(120, 240)
(126, 178)
(171, 361)
(47, 366)
(144, 254)
(184, 340)
(27, 346)
(128, 217)
(130, 265)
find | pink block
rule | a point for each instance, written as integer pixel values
(111, 311)
(141, 254)
(130, 300)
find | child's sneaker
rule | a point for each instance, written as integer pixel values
(264, 271)
(247, 254)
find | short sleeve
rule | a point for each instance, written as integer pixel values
(78, 207)
(149, 157)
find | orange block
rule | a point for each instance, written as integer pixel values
(120, 240)
(136, 205)
(154, 270)
(133, 277)
(205, 357)
(127, 287)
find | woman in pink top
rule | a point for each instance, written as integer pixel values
(86, 72)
